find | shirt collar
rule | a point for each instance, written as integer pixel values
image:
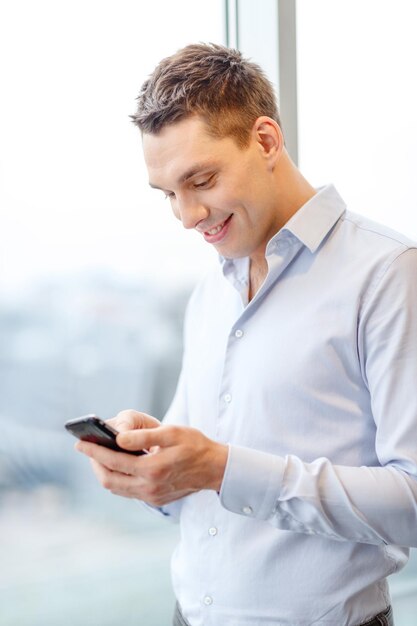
(309, 225)
(315, 219)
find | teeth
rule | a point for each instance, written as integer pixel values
(216, 230)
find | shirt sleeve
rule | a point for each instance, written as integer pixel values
(376, 505)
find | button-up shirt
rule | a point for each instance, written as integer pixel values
(313, 385)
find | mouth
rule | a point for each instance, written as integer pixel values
(217, 233)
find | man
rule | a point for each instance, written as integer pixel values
(289, 454)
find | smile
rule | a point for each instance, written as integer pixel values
(215, 230)
(217, 233)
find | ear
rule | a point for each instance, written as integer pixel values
(269, 138)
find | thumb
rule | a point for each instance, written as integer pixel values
(148, 438)
(132, 420)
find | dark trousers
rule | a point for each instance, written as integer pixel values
(382, 619)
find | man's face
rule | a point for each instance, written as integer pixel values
(223, 191)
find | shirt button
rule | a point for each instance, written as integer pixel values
(239, 333)
(208, 600)
(227, 398)
(212, 531)
(247, 510)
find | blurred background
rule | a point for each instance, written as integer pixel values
(95, 272)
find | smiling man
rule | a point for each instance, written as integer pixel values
(288, 455)
(228, 193)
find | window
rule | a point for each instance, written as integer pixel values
(94, 278)
(357, 102)
(357, 128)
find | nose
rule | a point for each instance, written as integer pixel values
(190, 211)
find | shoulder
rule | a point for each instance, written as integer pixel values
(374, 234)
(387, 259)
(368, 248)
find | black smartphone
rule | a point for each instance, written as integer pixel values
(92, 428)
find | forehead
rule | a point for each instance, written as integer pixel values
(180, 147)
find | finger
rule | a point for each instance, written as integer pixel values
(112, 460)
(119, 484)
(126, 420)
(147, 438)
(100, 472)
(131, 420)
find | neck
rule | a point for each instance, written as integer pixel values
(257, 275)
(292, 191)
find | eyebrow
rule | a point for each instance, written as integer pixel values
(197, 168)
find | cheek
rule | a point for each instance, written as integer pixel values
(225, 200)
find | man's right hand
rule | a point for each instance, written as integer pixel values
(181, 460)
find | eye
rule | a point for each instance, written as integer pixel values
(205, 183)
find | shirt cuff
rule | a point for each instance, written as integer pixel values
(169, 511)
(252, 482)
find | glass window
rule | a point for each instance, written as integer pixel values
(357, 128)
(356, 103)
(94, 278)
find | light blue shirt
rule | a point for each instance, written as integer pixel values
(313, 386)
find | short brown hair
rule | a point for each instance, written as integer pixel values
(215, 82)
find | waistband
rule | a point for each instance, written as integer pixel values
(385, 618)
